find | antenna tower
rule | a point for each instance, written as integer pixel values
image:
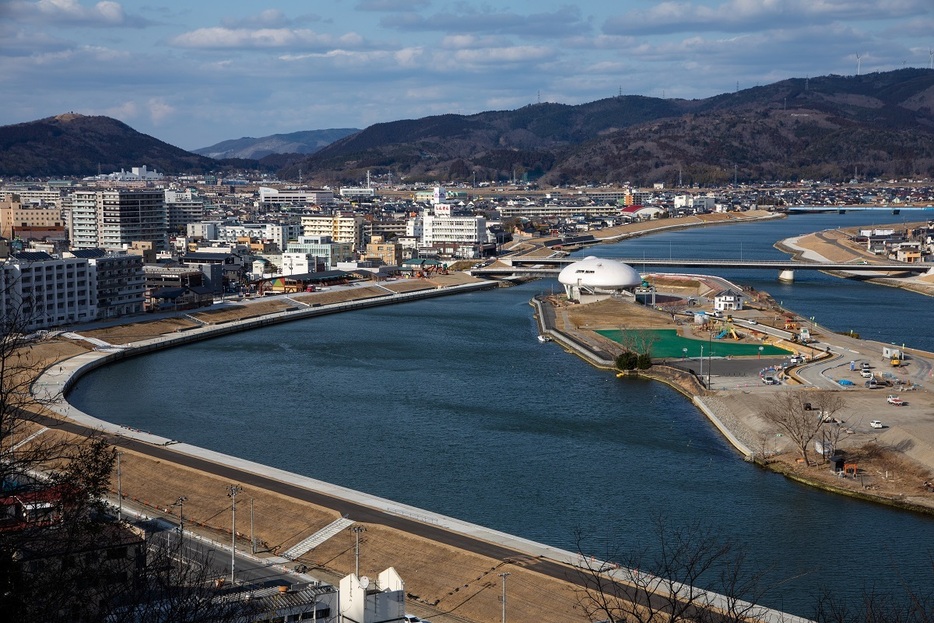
(299, 176)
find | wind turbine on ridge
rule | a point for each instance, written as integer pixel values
(858, 57)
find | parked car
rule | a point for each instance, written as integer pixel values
(771, 380)
(866, 374)
(865, 365)
(875, 424)
(411, 618)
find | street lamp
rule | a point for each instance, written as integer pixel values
(685, 351)
(232, 491)
(760, 352)
(702, 362)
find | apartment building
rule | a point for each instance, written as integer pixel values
(39, 291)
(114, 219)
(275, 199)
(330, 251)
(120, 281)
(182, 207)
(340, 227)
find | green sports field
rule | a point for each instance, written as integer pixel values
(664, 343)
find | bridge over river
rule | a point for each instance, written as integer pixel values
(519, 266)
(894, 209)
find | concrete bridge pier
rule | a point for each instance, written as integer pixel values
(787, 275)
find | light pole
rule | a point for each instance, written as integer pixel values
(504, 576)
(702, 362)
(685, 351)
(357, 530)
(232, 491)
(759, 356)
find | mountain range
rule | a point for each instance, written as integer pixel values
(826, 128)
(306, 142)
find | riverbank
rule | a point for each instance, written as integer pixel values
(894, 463)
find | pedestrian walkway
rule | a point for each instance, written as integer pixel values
(306, 545)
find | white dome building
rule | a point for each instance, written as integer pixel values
(594, 275)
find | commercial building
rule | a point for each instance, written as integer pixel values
(275, 199)
(329, 251)
(17, 218)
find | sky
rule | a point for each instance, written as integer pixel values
(198, 72)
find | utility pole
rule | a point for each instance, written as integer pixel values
(357, 530)
(119, 490)
(180, 503)
(504, 576)
(252, 537)
(232, 491)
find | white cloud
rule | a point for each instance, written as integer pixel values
(159, 110)
(230, 38)
(744, 15)
(71, 12)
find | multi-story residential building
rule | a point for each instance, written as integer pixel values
(17, 217)
(341, 227)
(120, 281)
(278, 234)
(40, 291)
(114, 219)
(34, 196)
(387, 229)
(182, 208)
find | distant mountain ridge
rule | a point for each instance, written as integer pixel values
(81, 145)
(826, 128)
(878, 124)
(304, 142)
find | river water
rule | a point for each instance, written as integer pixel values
(452, 405)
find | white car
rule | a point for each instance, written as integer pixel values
(866, 374)
(411, 618)
(875, 424)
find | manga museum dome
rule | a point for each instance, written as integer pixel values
(597, 274)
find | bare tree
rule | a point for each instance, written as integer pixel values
(802, 415)
(665, 587)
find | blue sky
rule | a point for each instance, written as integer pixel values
(195, 73)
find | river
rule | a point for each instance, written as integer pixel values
(452, 405)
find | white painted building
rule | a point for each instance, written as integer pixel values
(364, 600)
(273, 198)
(41, 291)
(460, 229)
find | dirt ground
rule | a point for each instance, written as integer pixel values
(442, 583)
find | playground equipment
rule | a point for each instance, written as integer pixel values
(728, 329)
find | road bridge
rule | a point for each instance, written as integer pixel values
(552, 266)
(845, 209)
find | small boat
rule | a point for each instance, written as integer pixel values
(544, 338)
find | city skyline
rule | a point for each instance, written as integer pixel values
(202, 73)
